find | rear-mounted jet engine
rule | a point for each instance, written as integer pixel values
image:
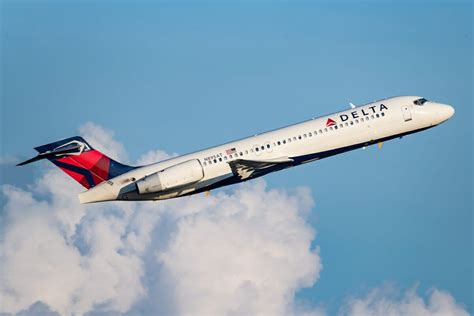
(174, 177)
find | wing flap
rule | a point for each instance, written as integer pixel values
(246, 169)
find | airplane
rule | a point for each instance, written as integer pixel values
(358, 127)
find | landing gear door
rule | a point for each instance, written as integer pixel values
(406, 113)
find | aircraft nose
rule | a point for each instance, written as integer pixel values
(446, 111)
(442, 111)
(450, 111)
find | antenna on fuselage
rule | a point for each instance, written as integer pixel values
(352, 105)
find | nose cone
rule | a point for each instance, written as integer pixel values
(442, 112)
(446, 111)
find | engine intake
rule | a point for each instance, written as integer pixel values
(173, 177)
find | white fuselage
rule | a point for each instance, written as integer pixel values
(303, 142)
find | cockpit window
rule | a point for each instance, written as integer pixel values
(420, 101)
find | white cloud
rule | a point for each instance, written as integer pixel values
(243, 251)
(154, 156)
(41, 262)
(388, 301)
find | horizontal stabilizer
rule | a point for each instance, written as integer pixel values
(51, 154)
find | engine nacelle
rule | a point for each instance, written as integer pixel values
(173, 177)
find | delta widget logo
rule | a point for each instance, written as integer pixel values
(330, 122)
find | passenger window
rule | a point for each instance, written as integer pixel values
(357, 121)
(204, 163)
(294, 138)
(284, 141)
(361, 119)
(372, 116)
(241, 154)
(279, 143)
(309, 134)
(347, 124)
(377, 115)
(320, 131)
(246, 152)
(215, 160)
(341, 125)
(326, 129)
(263, 148)
(299, 136)
(383, 113)
(352, 123)
(304, 135)
(225, 157)
(330, 128)
(256, 148)
(220, 159)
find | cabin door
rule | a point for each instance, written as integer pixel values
(406, 113)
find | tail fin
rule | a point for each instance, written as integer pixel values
(79, 160)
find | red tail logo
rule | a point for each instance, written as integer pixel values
(330, 122)
(79, 160)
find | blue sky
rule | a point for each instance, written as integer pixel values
(188, 75)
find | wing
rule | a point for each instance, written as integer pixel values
(246, 169)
